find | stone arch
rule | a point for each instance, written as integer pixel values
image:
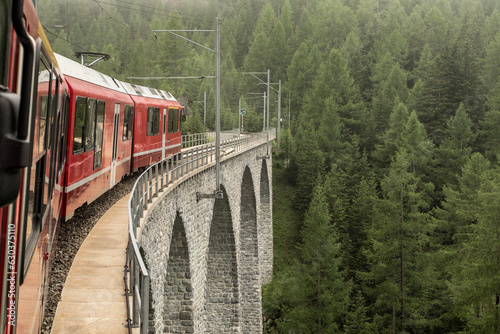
(265, 227)
(221, 294)
(178, 291)
(251, 312)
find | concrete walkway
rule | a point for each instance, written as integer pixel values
(93, 298)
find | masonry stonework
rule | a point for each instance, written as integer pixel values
(207, 259)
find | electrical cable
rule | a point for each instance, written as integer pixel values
(57, 36)
(154, 10)
(111, 17)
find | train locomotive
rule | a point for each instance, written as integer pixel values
(68, 134)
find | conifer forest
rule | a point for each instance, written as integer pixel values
(386, 200)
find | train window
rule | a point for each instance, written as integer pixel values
(156, 121)
(37, 205)
(99, 129)
(90, 124)
(4, 39)
(42, 121)
(44, 80)
(64, 124)
(51, 112)
(153, 121)
(78, 136)
(173, 120)
(149, 123)
(52, 135)
(127, 122)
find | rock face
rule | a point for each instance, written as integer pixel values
(207, 259)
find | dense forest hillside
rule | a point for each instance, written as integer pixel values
(387, 186)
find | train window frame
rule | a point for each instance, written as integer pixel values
(173, 120)
(153, 121)
(88, 115)
(38, 188)
(100, 115)
(5, 26)
(128, 122)
(81, 125)
(149, 121)
(90, 123)
(45, 76)
(43, 106)
(52, 138)
(64, 124)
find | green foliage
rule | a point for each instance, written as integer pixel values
(316, 293)
(193, 124)
(399, 238)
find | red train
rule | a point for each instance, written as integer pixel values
(67, 135)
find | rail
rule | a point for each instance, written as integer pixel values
(198, 151)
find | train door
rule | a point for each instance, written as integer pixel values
(115, 144)
(164, 135)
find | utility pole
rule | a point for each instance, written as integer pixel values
(217, 109)
(279, 115)
(268, 83)
(264, 118)
(268, 98)
(218, 192)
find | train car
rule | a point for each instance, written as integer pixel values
(157, 125)
(32, 164)
(100, 129)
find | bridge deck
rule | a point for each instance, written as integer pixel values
(93, 298)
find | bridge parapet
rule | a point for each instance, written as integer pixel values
(199, 263)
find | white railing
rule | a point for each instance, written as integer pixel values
(206, 137)
(198, 151)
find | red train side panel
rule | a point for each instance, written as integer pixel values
(157, 131)
(99, 143)
(29, 223)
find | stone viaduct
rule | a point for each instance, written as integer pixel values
(207, 258)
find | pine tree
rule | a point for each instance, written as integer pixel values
(392, 139)
(455, 149)
(418, 146)
(318, 295)
(330, 134)
(357, 321)
(390, 82)
(474, 268)
(310, 165)
(399, 238)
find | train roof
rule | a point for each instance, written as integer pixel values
(154, 93)
(76, 70)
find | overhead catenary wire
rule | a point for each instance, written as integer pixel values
(155, 11)
(111, 17)
(57, 36)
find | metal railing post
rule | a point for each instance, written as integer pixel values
(145, 305)
(135, 275)
(156, 180)
(150, 185)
